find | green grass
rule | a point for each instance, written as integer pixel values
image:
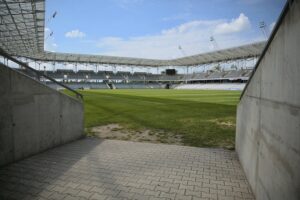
(204, 118)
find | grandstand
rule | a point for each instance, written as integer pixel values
(211, 86)
(123, 79)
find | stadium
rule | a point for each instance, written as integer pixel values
(97, 78)
(222, 123)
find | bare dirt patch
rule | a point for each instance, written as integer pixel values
(226, 124)
(118, 132)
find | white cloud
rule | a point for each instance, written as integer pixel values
(75, 34)
(190, 27)
(236, 25)
(193, 37)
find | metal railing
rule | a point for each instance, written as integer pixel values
(38, 73)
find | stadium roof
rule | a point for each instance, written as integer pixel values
(246, 51)
(22, 34)
(22, 26)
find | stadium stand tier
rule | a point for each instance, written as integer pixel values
(90, 79)
(121, 77)
(212, 86)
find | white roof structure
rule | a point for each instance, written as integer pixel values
(246, 51)
(22, 34)
(22, 26)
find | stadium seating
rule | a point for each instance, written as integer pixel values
(152, 77)
(124, 79)
(246, 73)
(76, 86)
(84, 74)
(233, 74)
(100, 75)
(138, 86)
(199, 76)
(216, 75)
(212, 86)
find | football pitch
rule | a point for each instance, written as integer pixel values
(203, 118)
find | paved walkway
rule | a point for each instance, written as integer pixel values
(111, 169)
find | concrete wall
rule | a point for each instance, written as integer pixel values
(33, 117)
(268, 117)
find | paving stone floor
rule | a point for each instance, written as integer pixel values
(111, 169)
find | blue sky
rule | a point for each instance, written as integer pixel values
(155, 28)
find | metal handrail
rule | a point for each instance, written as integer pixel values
(275, 29)
(7, 56)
